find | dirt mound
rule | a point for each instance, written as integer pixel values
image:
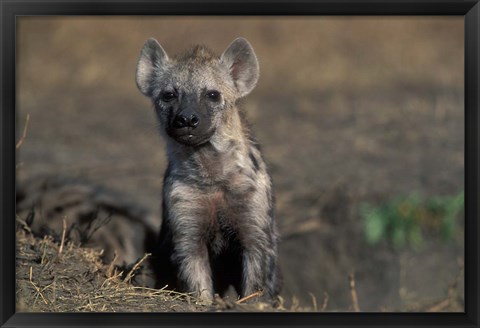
(52, 278)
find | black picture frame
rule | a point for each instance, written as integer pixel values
(10, 9)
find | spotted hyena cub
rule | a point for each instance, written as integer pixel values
(218, 225)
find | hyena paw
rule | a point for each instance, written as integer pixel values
(205, 297)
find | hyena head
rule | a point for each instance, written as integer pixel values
(195, 92)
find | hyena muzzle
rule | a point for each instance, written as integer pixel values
(218, 227)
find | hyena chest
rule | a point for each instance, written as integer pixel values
(222, 220)
(227, 187)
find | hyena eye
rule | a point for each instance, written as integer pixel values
(168, 96)
(213, 95)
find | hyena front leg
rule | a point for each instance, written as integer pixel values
(252, 271)
(190, 252)
(259, 264)
(194, 269)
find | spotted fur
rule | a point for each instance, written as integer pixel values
(218, 227)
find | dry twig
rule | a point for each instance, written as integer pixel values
(111, 267)
(451, 298)
(353, 292)
(24, 134)
(325, 302)
(135, 267)
(314, 302)
(246, 298)
(295, 304)
(23, 223)
(62, 242)
(39, 292)
(439, 306)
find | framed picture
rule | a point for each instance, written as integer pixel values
(363, 115)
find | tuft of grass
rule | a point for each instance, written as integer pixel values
(404, 221)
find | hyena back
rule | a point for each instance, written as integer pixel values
(218, 226)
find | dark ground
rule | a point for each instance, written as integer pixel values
(347, 110)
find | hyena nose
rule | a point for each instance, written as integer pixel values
(189, 120)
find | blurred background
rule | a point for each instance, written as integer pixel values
(361, 120)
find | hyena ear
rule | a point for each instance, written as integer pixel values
(242, 63)
(152, 58)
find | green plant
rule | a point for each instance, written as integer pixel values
(404, 221)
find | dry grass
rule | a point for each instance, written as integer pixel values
(75, 280)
